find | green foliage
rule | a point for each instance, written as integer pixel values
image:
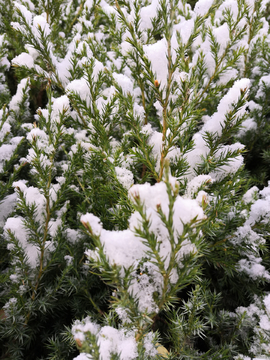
(132, 134)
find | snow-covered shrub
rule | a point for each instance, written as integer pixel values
(132, 215)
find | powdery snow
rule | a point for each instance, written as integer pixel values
(196, 183)
(26, 13)
(7, 150)
(24, 59)
(214, 125)
(250, 195)
(83, 356)
(81, 88)
(124, 82)
(253, 268)
(110, 340)
(32, 196)
(60, 106)
(125, 177)
(264, 82)
(126, 249)
(202, 7)
(40, 24)
(22, 88)
(157, 54)
(258, 314)
(93, 221)
(16, 226)
(7, 205)
(147, 13)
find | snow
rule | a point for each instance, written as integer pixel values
(16, 226)
(228, 4)
(125, 177)
(106, 96)
(40, 24)
(123, 315)
(147, 13)
(202, 7)
(157, 55)
(146, 129)
(54, 225)
(7, 150)
(196, 183)
(22, 89)
(253, 268)
(7, 205)
(32, 196)
(126, 249)
(32, 51)
(264, 82)
(259, 210)
(81, 327)
(62, 67)
(156, 196)
(257, 314)
(83, 356)
(25, 12)
(247, 125)
(245, 233)
(266, 302)
(222, 35)
(98, 67)
(250, 195)
(265, 323)
(107, 8)
(185, 29)
(24, 59)
(124, 82)
(156, 142)
(215, 125)
(233, 165)
(69, 259)
(81, 88)
(72, 235)
(92, 221)
(148, 343)
(110, 340)
(60, 105)
(14, 278)
(228, 75)
(123, 248)
(128, 348)
(41, 140)
(125, 46)
(139, 111)
(37, 133)
(10, 306)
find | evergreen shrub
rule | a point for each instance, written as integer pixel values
(134, 195)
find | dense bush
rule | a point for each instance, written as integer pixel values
(135, 205)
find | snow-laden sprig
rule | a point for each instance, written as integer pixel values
(40, 60)
(11, 142)
(107, 341)
(257, 318)
(157, 254)
(252, 241)
(219, 159)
